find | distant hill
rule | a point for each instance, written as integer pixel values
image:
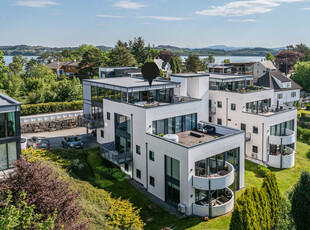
(217, 50)
(26, 50)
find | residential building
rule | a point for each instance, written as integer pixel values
(160, 136)
(164, 66)
(286, 91)
(241, 68)
(9, 131)
(262, 67)
(120, 71)
(64, 67)
(270, 128)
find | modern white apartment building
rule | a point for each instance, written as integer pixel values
(160, 136)
(270, 127)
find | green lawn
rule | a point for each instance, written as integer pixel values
(158, 218)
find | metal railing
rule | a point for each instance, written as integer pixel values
(115, 157)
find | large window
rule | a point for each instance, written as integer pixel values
(280, 129)
(122, 133)
(8, 154)
(258, 106)
(172, 180)
(175, 124)
(7, 124)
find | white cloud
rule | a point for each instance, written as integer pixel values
(128, 4)
(241, 20)
(306, 8)
(108, 16)
(164, 18)
(35, 3)
(241, 8)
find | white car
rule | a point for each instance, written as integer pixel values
(23, 142)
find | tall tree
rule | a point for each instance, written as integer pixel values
(269, 57)
(301, 48)
(287, 59)
(300, 199)
(302, 75)
(193, 63)
(121, 56)
(119, 43)
(173, 65)
(91, 61)
(270, 185)
(137, 48)
(166, 55)
(206, 61)
(3, 70)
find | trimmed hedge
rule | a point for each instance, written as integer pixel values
(303, 134)
(51, 107)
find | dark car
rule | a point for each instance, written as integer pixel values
(38, 143)
(72, 142)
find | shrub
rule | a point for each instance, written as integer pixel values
(161, 134)
(51, 107)
(46, 192)
(300, 199)
(21, 215)
(262, 170)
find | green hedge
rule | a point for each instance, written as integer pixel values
(303, 134)
(51, 107)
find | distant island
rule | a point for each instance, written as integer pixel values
(218, 50)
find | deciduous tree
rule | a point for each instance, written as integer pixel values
(269, 57)
(302, 74)
(287, 59)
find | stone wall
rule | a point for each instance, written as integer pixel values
(50, 125)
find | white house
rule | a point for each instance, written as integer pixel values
(270, 128)
(160, 136)
(262, 67)
(164, 66)
(287, 91)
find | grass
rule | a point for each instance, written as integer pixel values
(157, 218)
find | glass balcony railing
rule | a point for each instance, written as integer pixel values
(93, 121)
(115, 157)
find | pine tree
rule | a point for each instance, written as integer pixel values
(300, 199)
(270, 185)
(173, 65)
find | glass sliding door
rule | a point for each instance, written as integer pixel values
(12, 153)
(3, 157)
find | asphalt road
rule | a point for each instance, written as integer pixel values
(56, 137)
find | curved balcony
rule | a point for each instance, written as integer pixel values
(217, 181)
(288, 139)
(285, 161)
(219, 207)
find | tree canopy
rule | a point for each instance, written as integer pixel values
(302, 74)
(287, 59)
(193, 63)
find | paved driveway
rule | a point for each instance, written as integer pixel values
(56, 137)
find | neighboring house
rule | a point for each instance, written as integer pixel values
(9, 131)
(64, 67)
(286, 91)
(262, 67)
(164, 66)
(241, 68)
(120, 71)
(270, 129)
(160, 136)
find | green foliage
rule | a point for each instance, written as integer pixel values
(51, 107)
(303, 134)
(262, 170)
(269, 56)
(21, 215)
(302, 74)
(3, 70)
(173, 65)
(139, 51)
(301, 48)
(300, 199)
(121, 56)
(193, 63)
(226, 61)
(270, 185)
(286, 221)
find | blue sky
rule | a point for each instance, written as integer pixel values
(183, 23)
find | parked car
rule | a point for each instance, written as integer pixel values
(23, 143)
(72, 142)
(38, 143)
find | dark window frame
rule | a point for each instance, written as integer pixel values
(254, 149)
(138, 149)
(255, 129)
(219, 104)
(151, 155)
(138, 173)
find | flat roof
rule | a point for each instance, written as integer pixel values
(7, 101)
(130, 84)
(190, 75)
(229, 77)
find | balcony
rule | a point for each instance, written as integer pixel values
(220, 205)
(212, 111)
(94, 121)
(220, 180)
(108, 152)
(283, 161)
(287, 139)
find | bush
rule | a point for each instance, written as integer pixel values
(303, 134)
(46, 192)
(51, 107)
(262, 170)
